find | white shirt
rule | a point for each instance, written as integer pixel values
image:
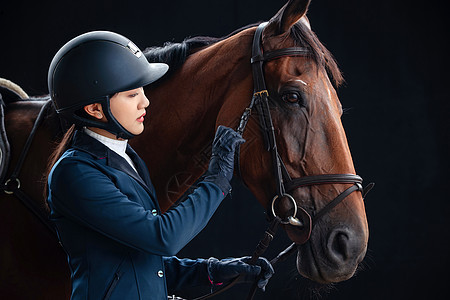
(118, 146)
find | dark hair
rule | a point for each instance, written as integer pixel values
(62, 146)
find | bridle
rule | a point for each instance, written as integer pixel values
(285, 185)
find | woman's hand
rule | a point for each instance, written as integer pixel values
(227, 269)
(223, 148)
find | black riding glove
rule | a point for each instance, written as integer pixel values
(225, 270)
(223, 148)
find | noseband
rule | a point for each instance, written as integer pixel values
(284, 183)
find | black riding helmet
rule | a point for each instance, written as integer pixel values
(93, 66)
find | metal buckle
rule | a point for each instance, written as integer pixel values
(173, 297)
(261, 93)
(8, 191)
(293, 220)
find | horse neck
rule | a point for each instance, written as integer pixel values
(185, 110)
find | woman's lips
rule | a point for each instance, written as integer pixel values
(141, 118)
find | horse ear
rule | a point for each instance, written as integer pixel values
(305, 21)
(288, 15)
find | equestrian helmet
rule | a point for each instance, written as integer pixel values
(90, 69)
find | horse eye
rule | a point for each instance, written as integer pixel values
(290, 97)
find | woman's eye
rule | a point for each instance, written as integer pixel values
(133, 95)
(290, 97)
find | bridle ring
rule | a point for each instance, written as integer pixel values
(293, 220)
(7, 189)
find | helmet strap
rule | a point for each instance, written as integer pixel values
(112, 126)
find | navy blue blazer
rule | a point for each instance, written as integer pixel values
(118, 244)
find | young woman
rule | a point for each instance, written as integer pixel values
(118, 243)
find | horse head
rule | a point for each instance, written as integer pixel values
(212, 84)
(311, 142)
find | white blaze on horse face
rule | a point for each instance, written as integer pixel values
(293, 82)
(297, 82)
(302, 82)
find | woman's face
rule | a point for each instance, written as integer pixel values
(129, 109)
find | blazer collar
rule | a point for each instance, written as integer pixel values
(83, 142)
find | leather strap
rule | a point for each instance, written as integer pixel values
(12, 185)
(260, 249)
(322, 179)
(293, 51)
(330, 205)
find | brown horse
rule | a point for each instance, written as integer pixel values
(211, 83)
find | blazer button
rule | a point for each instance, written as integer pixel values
(154, 212)
(160, 273)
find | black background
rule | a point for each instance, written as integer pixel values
(393, 57)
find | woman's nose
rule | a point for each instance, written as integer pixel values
(144, 101)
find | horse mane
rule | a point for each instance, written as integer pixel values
(175, 54)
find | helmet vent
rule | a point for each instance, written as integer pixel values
(134, 49)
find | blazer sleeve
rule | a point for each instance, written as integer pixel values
(83, 193)
(185, 273)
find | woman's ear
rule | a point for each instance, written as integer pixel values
(95, 110)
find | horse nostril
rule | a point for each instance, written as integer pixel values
(340, 246)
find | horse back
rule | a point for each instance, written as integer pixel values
(30, 256)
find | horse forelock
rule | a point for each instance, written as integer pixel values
(303, 36)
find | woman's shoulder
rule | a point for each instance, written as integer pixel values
(73, 155)
(74, 162)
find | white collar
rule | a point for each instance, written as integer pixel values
(118, 146)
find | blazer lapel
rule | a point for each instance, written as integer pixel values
(140, 166)
(118, 162)
(82, 141)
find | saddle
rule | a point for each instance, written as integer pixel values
(9, 92)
